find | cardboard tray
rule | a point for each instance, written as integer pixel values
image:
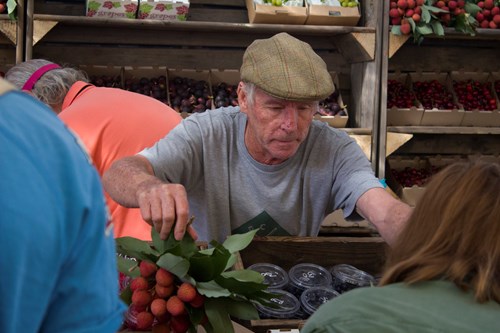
(336, 121)
(366, 253)
(332, 15)
(275, 14)
(404, 116)
(164, 10)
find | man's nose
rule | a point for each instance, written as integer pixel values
(290, 116)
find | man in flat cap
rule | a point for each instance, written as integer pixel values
(263, 165)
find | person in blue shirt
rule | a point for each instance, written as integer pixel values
(58, 268)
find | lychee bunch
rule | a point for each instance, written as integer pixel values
(489, 15)
(402, 10)
(160, 299)
(177, 285)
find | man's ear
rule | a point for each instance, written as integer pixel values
(242, 97)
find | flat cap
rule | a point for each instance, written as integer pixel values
(286, 68)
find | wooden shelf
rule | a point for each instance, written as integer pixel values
(443, 130)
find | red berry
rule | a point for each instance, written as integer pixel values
(144, 320)
(147, 268)
(186, 292)
(175, 306)
(164, 277)
(139, 283)
(141, 298)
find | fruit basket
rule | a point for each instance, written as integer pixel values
(258, 12)
(434, 92)
(403, 108)
(319, 13)
(474, 91)
(164, 10)
(332, 109)
(224, 85)
(112, 9)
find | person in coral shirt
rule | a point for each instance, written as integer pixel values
(111, 122)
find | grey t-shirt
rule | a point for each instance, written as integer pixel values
(229, 192)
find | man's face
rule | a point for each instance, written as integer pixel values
(275, 127)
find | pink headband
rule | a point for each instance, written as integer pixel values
(38, 74)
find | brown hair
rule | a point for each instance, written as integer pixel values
(453, 233)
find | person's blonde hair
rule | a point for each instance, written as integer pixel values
(453, 233)
(52, 86)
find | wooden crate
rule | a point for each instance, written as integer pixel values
(365, 253)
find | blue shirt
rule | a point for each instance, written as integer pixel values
(58, 268)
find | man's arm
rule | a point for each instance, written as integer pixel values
(387, 214)
(131, 182)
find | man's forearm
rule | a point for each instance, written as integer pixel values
(122, 180)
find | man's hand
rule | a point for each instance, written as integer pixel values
(165, 206)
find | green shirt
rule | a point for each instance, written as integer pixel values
(436, 306)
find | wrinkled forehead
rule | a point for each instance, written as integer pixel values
(263, 98)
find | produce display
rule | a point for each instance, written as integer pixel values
(399, 95)
(189, 95)
(331, 105)
(175, 286)
(225, 94)
(410, 176)
(155, 87)
(424, 17)
(434, 95)
(475, 95)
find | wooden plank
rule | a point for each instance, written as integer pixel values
(9, 30)
(443, 130)
(451, 144)
(366, 253)
(202, 58)
(357, 47)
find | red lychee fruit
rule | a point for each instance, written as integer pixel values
(485, 24)
(396, 20)
(420, 2)
(186, 292)
(493, 25)
(393, 13)
(409, 13)
(144, 321)
(405, 29)
(179, 324)
(139, 283)
(141, 298)
(198, 301)
(164, 277)
(416, 18)
(495, 11)
(488, 4)
(402, 4)
(496, 19)
(175, 306)
(147, 268)
(479, 17)
(158, 307)
(452, 4)
(411, 3)
(164, 291)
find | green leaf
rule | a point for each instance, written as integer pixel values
(245, 275)
(433, 9)
(472, 8)
(126, 295)
(238, 309)
(218, 317)
(174, 264)
(412, 24)
(426, 15)
(135, 248)
(238, 242)
(396, 30)
(11, 9)
(206, 267)
(212, 289)
(128, 267)
(424, 29)
(244, 288)
(438, 28)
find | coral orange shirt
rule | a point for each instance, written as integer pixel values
(114, 123)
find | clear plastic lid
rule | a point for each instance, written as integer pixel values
(307, 275)
(312, 298)
(287, 302)
(274, 276)
(350, 274)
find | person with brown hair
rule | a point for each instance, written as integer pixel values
(111, 122)
(443, 272)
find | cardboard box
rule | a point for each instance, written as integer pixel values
(258, 13)
(365, 253)
(318, 14)
(404, 116)
(482, 118)
(112, 9)
(408, 194)
(163, 10)
(337, 121)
